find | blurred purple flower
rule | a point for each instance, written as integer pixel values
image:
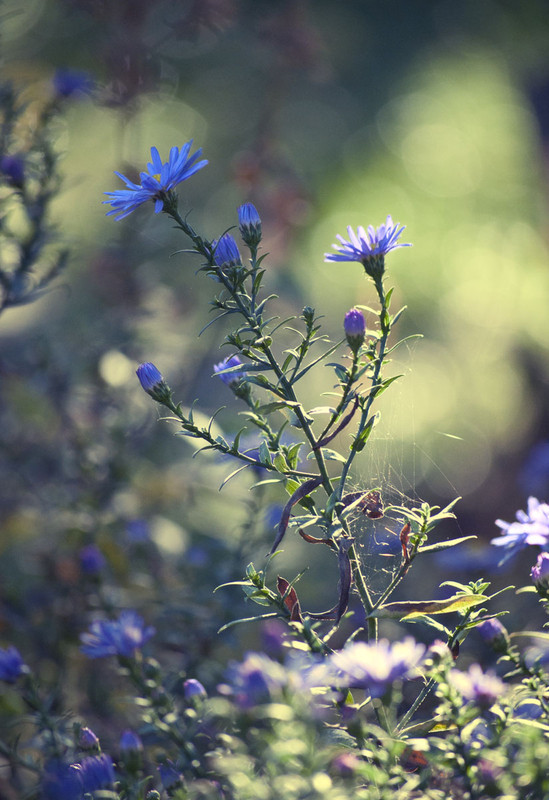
(365, 245)
(169, 775)
(156, 182)
(87, 740)
(476, 686)
(92, 560)
(97, 773)
(494, 634)
(375, 666)
(71, 82)
(130, 743)
(122, 637)
(254, 679)
(226, 252)
(138, 531)
(230, 378)
(540, 571)
(531, 528)
(149, 376)
(11, 664)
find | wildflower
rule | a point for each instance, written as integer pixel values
(11, 664)
(97, 773)
(71, 82)
(225, 252)
(375, 666)
(531, 528)
(87, 740)
(13, 169)
(249, 224)
(121, 637)
(131, 748)
(253, 680)
(193, 688)
(476, 686)
(369, 247)
(92, 560)
(153, 383)
(494, 634)
(169, 775)
(61, 781)
(234, 377)
(157, 183)
(540, 571)
(354, 326)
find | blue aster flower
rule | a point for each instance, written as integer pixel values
(153, 383)
(61, 781)
(157, 182)
(375, 666)
(230, 378)
(97, 773)
(250, 224)
(476, 686)
(369, 247)
(531, 528)
(121, 637)
(11, 664)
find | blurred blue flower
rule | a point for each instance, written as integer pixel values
(122, 637)
(130, 742)
(97, 773)
(254, 679)
(531, 528)
(367, 244)
(11, 664)
(193, 688)
(534, 475)
(156, 182)
(476, 686)
(494, 634)
(61, 781)
(230, 378)
(13, 168)
(374, 666)
(169, 775)
(87, 740)
(138, 531)
(226, 252)
(71, 82)
(92, 560)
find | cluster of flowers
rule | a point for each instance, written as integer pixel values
(531, 528)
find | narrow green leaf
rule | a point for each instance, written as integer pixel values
(419, 608)
(433, 548)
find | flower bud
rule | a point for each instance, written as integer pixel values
(87, 740)
(250, 224)
(355, 328)
(540, 573)
(494, 634)
(131, 748)
(153, 383)
(226, 253)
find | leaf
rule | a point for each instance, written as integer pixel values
(302, 491)
(419, 608)
(329, 455)
(432, 548)
(290, 598)
(322, 410)
(535, 634)
(234, 622)
(343, 424)
(363, 436)
(233, 474)
(324, 355)
(264, 454)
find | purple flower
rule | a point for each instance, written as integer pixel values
(230, 378)
(156, 182)
(169, 775)
(71, 82)
(250, 224)
(375, 666)
(97, 773)
(369, 247)
(121, 637)
(149, 376)
(92, 560)
(193, 688)
(13, 168)
(354, 326)
(540, 571)
(11, 664)
(61, 781)
(476, 686)
(226, 252)
(531, 528)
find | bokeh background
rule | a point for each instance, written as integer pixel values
(323, 114)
